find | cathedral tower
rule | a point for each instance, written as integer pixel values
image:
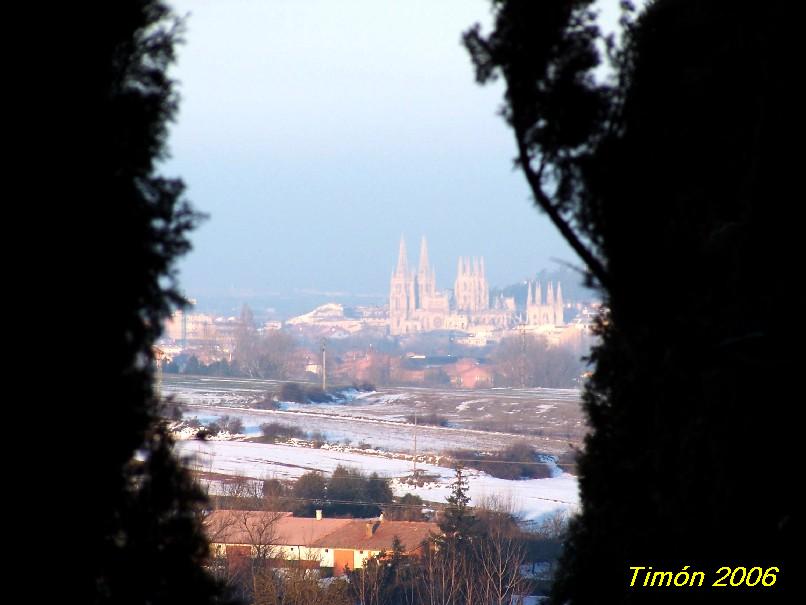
(470, 289)
(401, 293)
(548, 313)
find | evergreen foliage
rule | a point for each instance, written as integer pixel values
(457, 521)
(137, 514)
(309, 493)
(672, 183)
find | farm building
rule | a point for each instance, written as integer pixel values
(281, 539)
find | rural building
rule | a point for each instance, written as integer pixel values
(281, 539)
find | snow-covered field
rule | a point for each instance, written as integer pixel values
(480, 420)
(549, 419)
(532, 499)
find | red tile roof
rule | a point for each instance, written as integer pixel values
(273, 528)
(263, 528)
(354, 535)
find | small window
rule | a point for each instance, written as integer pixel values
(326, 550)
(360, 552)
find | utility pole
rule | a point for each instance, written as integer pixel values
(324, 366)
(415, 441)
(522, 364)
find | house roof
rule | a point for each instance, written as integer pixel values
(354, 535)
(283, 529)
(476, 371)
(260, 527)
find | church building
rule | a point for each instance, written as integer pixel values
(415, 304)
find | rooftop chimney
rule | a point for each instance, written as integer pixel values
(318, 514)
(370, 529)
(381, 518)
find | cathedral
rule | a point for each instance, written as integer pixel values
(415, 304)
(539, 313)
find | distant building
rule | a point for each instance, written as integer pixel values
(333, 320)
(471, 374)
(544, 313)
(281, 539)
(415, 305)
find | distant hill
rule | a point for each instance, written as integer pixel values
(573, 289)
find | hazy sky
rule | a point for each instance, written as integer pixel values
(315, 132)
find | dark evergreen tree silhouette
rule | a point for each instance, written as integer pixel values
(127, 504)
(457, 521)
(673, 184)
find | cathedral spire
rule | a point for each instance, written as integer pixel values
(402, 262)
(538, 294)
(559, 319)
(424, 268)
(528, 294)
(550, 295)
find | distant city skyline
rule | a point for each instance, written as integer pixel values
(314, 134)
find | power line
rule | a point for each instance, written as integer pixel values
(382, 504)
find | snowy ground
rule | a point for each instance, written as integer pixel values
(490, 419)
(481, 420)
(532, 499)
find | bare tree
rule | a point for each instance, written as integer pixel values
(367, 584)
(554, 526)
(247, 345)
(441, 581)
(300, 586)
(260, 530)
(219, 530)
(532, 362)
(498, 559)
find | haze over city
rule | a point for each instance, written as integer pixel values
(315, 134)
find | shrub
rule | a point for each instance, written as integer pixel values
(292, 391)
(317, 395)
(350, 492)
(272, 431)
(518, 461)
(318, 439)
(309, 494)
(235, 426)
(269, 402)
(231, 425)
(432, 419)
(408, 508)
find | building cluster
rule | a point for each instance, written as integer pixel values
(374, 367)
(466, 315)
(334, 320)
(415, 304)
(207, 337)
(281, 539)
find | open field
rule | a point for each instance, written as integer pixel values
(549, 419)
(532, 499)
(371, 432)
